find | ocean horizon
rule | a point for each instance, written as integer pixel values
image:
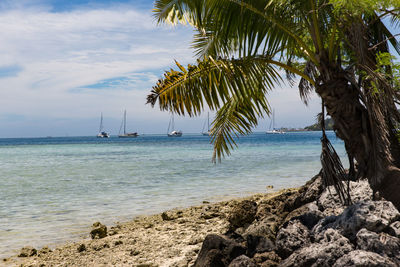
(53, 189)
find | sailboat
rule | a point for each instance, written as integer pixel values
(171, 126)
(102, 134)
(272, 129)
(208, 126)
(125, 134)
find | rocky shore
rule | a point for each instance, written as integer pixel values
(307, 226)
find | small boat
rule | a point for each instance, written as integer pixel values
(272, 129)
(175, 134)
(102, 134)
(171, 126)
(125, 134)
(208, 126)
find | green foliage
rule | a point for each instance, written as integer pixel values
(245, 45)
(389, 69)
(317, 126)
(362, 7)
(386, 74)
(223, 85)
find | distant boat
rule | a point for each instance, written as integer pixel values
(125, 134)
(272, 129)
(208, 126)
(171, 126)
(102, 134)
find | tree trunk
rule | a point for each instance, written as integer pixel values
(367, 136)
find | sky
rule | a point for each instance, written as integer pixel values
(63, 63)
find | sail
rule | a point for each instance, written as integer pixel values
(123, 125)
(207, 122)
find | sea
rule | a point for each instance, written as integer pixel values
(53, 189)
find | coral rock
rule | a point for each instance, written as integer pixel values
(360, 258)
(98, 231)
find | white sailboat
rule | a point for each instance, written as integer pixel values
(272, 129)
(102, 133)
(208, 126)
(125, 134)
(171, 126)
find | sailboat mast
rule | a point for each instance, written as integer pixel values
(208, 121)
(125, 122)
(273, 119)
(101, 123)
(169, 124)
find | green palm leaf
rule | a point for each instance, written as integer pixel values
(235, 87)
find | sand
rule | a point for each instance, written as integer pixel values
(173, 238)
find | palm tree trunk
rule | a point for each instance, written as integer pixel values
(366, 132)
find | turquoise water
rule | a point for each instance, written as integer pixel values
(53, 189)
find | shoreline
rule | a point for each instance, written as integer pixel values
(146, 239)
(293, 227)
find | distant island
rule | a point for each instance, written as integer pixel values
(315, 127)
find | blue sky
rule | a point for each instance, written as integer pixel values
(64, 62)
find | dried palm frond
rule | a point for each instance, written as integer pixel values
(305, 87)
(333, 172)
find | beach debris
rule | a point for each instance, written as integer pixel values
(98, 231)
(166, 217)
(27, 252)
(81, 248)
(243, 213)
(270, 187)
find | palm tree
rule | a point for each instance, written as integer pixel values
(340, 49)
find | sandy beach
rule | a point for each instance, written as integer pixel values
(173, 238)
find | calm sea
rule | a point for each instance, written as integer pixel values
(53, 189)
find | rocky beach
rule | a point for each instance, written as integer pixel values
(307, 226)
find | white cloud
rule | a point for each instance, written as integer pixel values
(59, 54)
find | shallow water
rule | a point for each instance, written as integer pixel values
(53, 189)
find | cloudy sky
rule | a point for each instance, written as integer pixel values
(62, 63)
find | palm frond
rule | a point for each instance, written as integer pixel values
(240, 27)
(177, 11)
(236, 87)
(212, 82)
(333, 172)
(237, 117)
(305, 86)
